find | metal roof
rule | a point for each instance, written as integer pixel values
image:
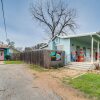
(3, 46)
(80, 35)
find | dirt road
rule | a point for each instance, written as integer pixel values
(16, 83)
(19, 82)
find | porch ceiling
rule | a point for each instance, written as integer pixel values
(85, 39)
(96, 37)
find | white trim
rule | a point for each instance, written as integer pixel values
(95, 40)
(98, 35)
(92, 49)
(44, 46)
(98, 52)
(78, 35)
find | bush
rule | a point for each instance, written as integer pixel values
(97, 66)
(57, 66)
(8, 57)
(61, 65)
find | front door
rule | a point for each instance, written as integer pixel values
(77, 52)
(88, 54)
(1, 55)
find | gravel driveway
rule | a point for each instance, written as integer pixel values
(17, 84)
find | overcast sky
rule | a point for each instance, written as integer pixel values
(24, 32)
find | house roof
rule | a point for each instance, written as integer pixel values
(80, 35)
(3, 46)
(46, 45)
(13, 48)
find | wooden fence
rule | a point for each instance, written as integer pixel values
(45, 58)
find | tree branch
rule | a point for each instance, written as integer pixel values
(56, 17)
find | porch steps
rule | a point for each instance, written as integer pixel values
(80, 65)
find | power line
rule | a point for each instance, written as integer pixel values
(4, 18)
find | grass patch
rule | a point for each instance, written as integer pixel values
(13, 62)
(42, 69)
(88, 83)
(65, 80)
(38, 68)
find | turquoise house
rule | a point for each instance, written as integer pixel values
(78, 47)
(4, 50)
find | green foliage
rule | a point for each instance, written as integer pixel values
(88, 83)
(38, 68)
(10, 43)
(97, 67)
(65, 80)
(13, 62)
(8, 57)
(57, 66)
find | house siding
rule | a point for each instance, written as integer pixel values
(6, 52)
(76, 48)
(61, 44)
(66, 48)
(50, 45)
(81, 45)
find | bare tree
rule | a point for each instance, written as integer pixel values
(56, 16)
(19, 49)
(10, 43)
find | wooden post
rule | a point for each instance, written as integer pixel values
(92, 50)
(98, 52)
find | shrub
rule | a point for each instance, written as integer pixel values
(8, 57)
(57, 66)
(61, 65)
(97, 66)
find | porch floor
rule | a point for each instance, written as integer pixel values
(81, 65)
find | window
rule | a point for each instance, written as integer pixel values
(72, 44)
(84, 50)
(60, 47)
(1, 53)
(57, 40)
(78, 50)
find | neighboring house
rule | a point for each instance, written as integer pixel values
(13, 50)
(39, 46)
(44, 47)
(28, 49)
(4, 50)
(78, 47)
(14, 53)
